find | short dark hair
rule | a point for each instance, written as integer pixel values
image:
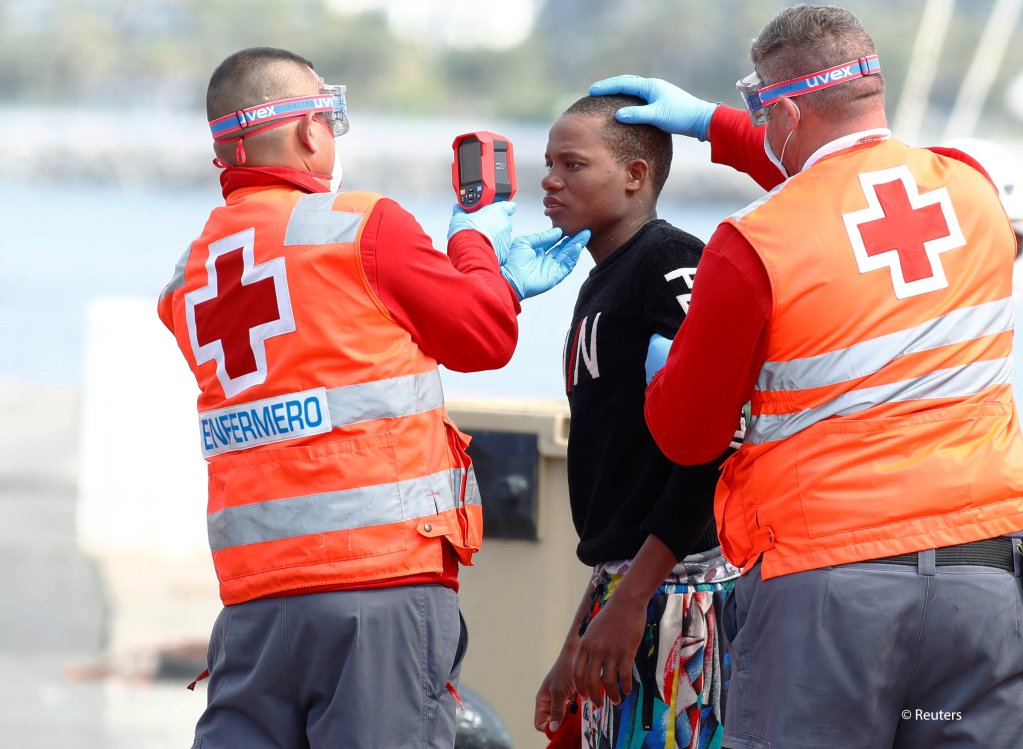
(629, 142)
(254, 76)
(806, 38)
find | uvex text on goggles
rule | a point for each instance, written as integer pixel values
(245, 122)
(758, 98)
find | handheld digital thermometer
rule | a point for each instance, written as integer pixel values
(483, 170)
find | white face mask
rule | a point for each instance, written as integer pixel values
(777, 160)
(335, 174)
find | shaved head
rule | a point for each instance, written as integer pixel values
(255, 76)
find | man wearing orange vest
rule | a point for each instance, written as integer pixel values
(341, 497)
(866, 306)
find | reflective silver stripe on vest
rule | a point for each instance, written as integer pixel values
(472, 489)
(178, 279)
(384, 399)
(314, 222)
(269, 420)
(335, 511)
(956, 382)
(871, 356)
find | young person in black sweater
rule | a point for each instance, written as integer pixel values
(651, 664)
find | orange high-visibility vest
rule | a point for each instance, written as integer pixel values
(882, 420)
(331, 458)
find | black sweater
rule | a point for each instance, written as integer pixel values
(621, 486)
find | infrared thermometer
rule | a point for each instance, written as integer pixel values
(483, 171)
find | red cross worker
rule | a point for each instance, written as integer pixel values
(863, 309)
(341, 498)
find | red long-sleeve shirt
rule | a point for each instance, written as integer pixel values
(458, 307)
(720, 347)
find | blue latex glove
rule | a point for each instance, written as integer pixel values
(656, 355)
(538, 262)
(492, 221)
(669, 107)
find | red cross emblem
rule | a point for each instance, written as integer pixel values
(239, 308)
(903, 231)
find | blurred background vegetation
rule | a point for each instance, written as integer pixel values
(158, 54)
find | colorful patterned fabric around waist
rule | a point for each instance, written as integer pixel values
(680, 675)
(703, 567)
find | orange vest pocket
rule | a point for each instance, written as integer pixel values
(941, 476)
(730, 514)
(302, 505)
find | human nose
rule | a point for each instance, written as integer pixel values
(551, 181)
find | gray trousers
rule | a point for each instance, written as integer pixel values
(363, 669)
(870, 656)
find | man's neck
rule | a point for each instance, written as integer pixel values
(234, 177)
(822, 134)
(607, 241)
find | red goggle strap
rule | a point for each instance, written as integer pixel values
(821, 79)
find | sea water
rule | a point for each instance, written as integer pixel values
(66, 244)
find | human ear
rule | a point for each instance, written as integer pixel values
(789, 111)
(306, 132)
(637, 174)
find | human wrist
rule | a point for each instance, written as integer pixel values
(703, 121)
(630, 597)
(462, 241)
(455, 227)
(571, 644)
(509, 276)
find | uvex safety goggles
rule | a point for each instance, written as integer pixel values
(330, 101)
(758, 98)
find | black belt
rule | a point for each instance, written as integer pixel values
(991, 552)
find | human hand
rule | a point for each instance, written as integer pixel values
(656, 355)
(555, 692)
(492, 221)
(607, 651)
(536, 263)
(668, 107)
